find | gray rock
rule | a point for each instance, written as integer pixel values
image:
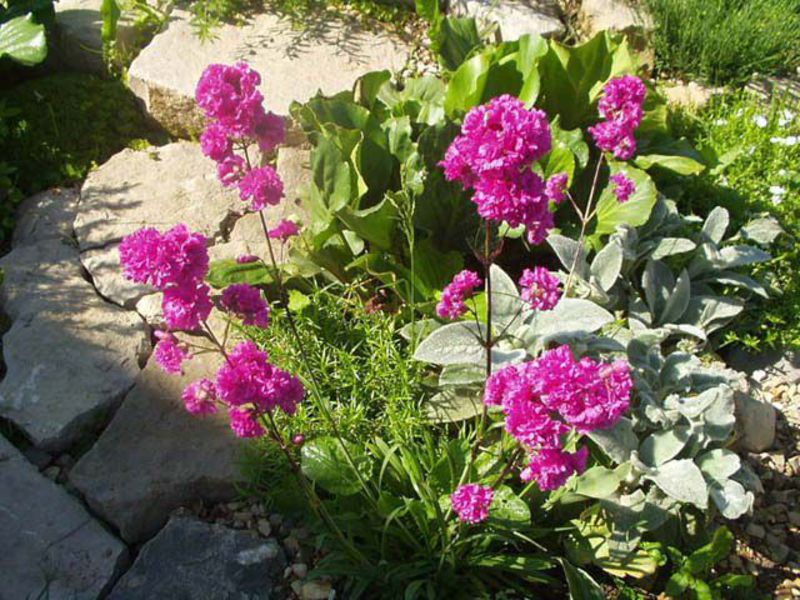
(755, 423)
(193, 560)
(52, 546)
(689, 95)
(328, 55)
(155, 457)
(46, 216)
(515, 17)
(158, 187)
(619, 16)
(149, 308)
(78, 39)
(56, 397)
(778, 367)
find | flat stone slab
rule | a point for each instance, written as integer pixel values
(328, 55)
(79, 39)
(70, 356)
(158, 187)
(515, 17)
(155, 457)
(193, 560)
(52, 548)
(46, 216)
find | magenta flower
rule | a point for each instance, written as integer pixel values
(244, 423)
(170, 354)
(556, 187)
(262, 186)
(452, 305)
(622, 108)
(200, 397)
(551, 468)
(471, 502)
(247, 303)
(229, 94)
(284, 230)
(530, 422)
(244, 259)
(186, 307)
(624, 187)
(540, 288)
(215, 143)
(248, 379)
(178, 257)
(269, 130)
(231, 170)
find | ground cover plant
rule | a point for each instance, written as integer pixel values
(753, 147)
(726, 41)
(572, 428)
(47, 140)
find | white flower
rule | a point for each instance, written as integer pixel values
(760, 121)
(783, 172)
(788, 117)
(776, 200)
(777, 190)
(790, 140)
(721, 122)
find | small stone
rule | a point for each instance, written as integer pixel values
(275, 519)
(755, 423)
(297, 587)
(779, 552)
(794, 518)
(300, 570)
(264, 528)
(755, 530)
(316, 590)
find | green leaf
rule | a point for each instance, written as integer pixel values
(665, 445)
(570, 253)
(298, 301)
(508, 509)
(324, 461)
(682, 165)
(580, 583)
(223, 273)
(678, 300)
(598, 482)
(703, 559)
(457, 38)
(682, 480)
(719, 464)
(465, 89)
(377, 224)
(670, 246)
(368, 87)
(716, 224)
(570, 318)
(635, 212)
(507, 306)
(731, 498)
(452, 344)
(462, 375)
(23, 41)
(762, 231)
(617, 442)
(607, 265)
(453, 405)
(110, 13)
(531, 49)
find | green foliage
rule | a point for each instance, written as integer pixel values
(376, 151)
(23, 41)
(692, 578)
(356, 357)
(55, 128)
(753, 149)
(726, 41)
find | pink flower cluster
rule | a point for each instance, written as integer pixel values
(556, 187)
(624, 187)
(622, 108)
(471, 502)
(545, 399)
(540, 288)
(176, 263)
(284, 230)
(452, 304)
(229, 96)
(493, 156)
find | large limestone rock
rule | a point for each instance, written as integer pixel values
(690, 95)
(155, 457)
(619, 16)
(755, 423)
(52, 548)
(46, 216)
(515, 17)
(70, 356)
(78, 40)
(159, 187)
(328, 55)
(190, 559)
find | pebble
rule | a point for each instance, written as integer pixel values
(264, 528)
(275, 519)
(794, 518)
(316, 590)
(300, 570)
(291, 545)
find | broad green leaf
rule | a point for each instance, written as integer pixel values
(683, 165)
(678, 300)
(580, 583)
(716, 224)
(452, 344)
(762, 231)
(658, 283)
(597, 482)
(457, 38)
(735, 279)
(465, 89)
(368, 87)
(507, 306)
(462, 375)
(531, 49)
(508, 508)
(731, 498)
(324, 461)
(661, 446)
(607, 264)
(453, 405)
(109, 13)
(570, 253)
(377, 225)
(571, 317)
(719, 464)
(669, 246)
(682, 480)
(23, 41)
(703, 559)
(612, 213)
(617, 442)
(223, 273)
(741, 256)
